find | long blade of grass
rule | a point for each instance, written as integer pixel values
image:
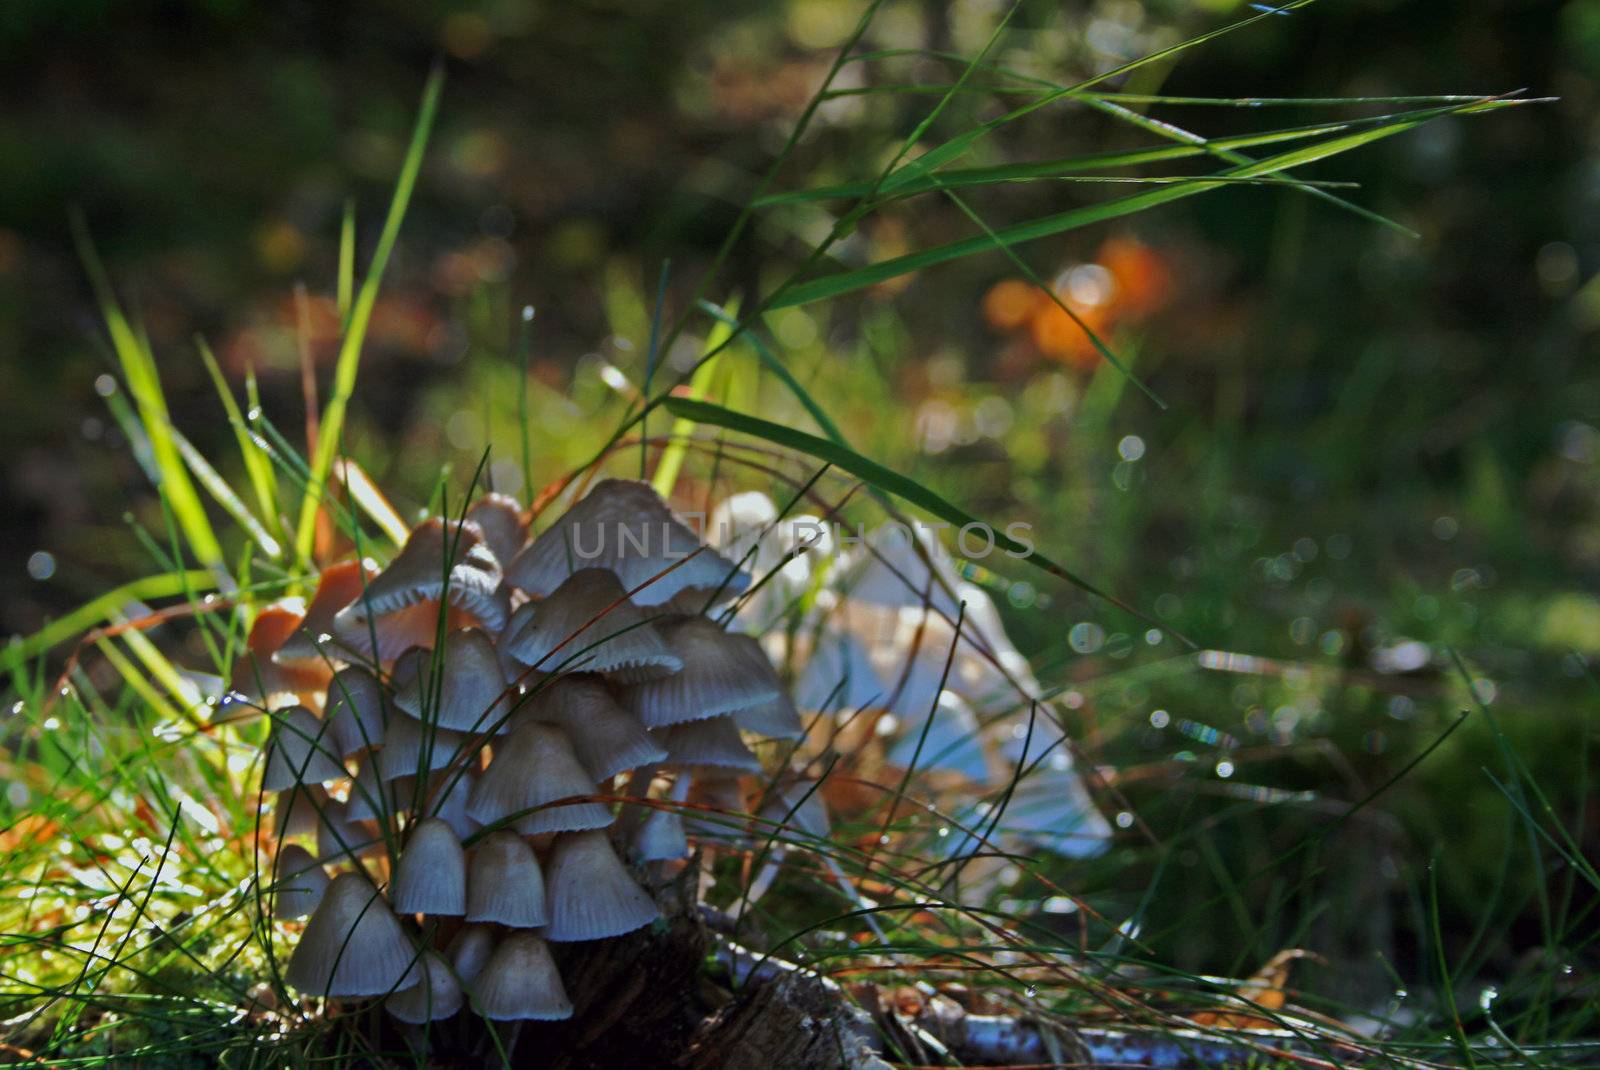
(666, 473)
(257, 464)
(218, 488)
(349, 359)
(99, 610)
(884, 479)
(844, 282)
(144, 383)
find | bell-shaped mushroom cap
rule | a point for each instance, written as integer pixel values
(606, 738)
(311, 641)
(405, 743)
(372, 798)
(341, 838)
(437, 997)
(896, 571)
(431, 876)
(1049, 804)
(468, 698)
(797, 804)
(722, 794)
(947, 738)
(596, 629)
(300, 883)
(354, 711)
(353, 945)
(839, 677)
(661, 834)
(300, 751)
(504, 531)
(591, 893)
(469, 950)
(718, 677)
(447, 800)
(624, 527)
(777, 719)
(295, 812)
(532, 766)
(504, 883)
(417, 575)
(258, 679)
(520, 980)
(712, 742)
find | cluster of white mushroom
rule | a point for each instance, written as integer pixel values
(446, 733)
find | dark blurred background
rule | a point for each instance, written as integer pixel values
(1372, 439)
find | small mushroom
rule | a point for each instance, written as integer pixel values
(300, 883)
(300, 751)
(534, 766)
(624, 527)
(353, 945)
(354, 711)
(438, 996)
(468, 697)
(589, 623)
(431, 876)
(717, 678)
(607, 738)
(520, 980)
(591, 893)
(504, 883)
(712, 742)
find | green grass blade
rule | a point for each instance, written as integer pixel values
(884, 479)
(347, 261)
(844, 282)
(101, 609)
(218, 488)
(139, 370)
(257, 465)
(666, 473)
(349, 359)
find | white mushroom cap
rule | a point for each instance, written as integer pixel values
(500, 518)
(341, 838)
(661, 835)
(468, 698)
(300, 882)
(353, 945)
(607, 738)
(469, 950)
(839, 676)
(519, 981)
(1049, 804)
(405, 743)
(591, 893)
(417, 576)
(894, 574)
(504, 883)
(953, 741)
(431, 876)
(712, 742)
(354, 710)
(300, 751)
(795, 804)
(533, 766)
(595, 627)
(718, 677)
(624, 527)
(371, 797)
(437, 997)
(295, 811)
(447, 800)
